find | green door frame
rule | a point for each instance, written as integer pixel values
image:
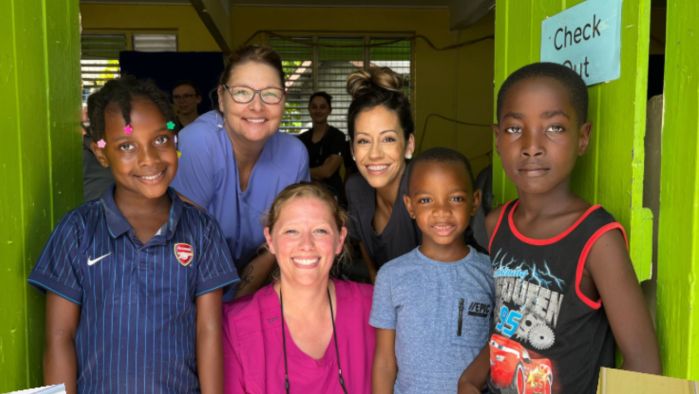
(40, 164)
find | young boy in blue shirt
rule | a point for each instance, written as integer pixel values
(134, 279)
(565, 287)
(432, 306)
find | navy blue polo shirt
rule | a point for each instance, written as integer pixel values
(137, 329)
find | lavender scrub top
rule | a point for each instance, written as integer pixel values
(208, 175)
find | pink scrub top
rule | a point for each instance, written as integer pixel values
(253, 355)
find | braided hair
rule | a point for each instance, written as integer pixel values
(122, 91)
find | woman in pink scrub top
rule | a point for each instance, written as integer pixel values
(306, 332)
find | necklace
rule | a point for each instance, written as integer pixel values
(337, 351)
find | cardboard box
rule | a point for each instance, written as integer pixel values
(617, 381)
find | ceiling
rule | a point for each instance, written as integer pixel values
(298, 3)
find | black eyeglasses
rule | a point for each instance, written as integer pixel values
(183, 96)
(245, 94)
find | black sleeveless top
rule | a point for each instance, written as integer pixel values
(548, 337)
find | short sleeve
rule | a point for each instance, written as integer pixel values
(195, 178)
(383, 311)
(337, 144)
(304, 173)
(216, 268)
(57, 269)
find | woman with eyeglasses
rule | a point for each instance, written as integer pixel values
(234, 160)
(308, 332)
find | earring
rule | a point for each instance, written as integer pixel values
(408, 156)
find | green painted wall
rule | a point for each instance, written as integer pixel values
(40, 164)
(611, 172)
(678, 234)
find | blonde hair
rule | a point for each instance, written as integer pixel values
(311, 190)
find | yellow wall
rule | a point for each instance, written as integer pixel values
(453, 83)
(192, 35)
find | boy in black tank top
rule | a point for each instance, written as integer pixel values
(565, 286)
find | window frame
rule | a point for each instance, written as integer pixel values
(314, 37)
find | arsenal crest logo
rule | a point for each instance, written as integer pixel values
(184, 253)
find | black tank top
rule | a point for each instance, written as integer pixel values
(548, 336)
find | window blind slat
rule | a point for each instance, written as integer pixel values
(337, 57)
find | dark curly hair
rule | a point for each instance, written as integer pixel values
(573, 83)
(442, 155)
(122, 91)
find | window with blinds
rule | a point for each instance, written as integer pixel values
(314, 63)
(100, 54)
(99, 61)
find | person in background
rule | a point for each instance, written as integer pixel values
(307, 332)
(186, 98)
(137, 274)
(432, 307)
(380, 126)
(234, 160)
(325, 145)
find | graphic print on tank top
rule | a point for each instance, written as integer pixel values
(540, 316)
(528, 303)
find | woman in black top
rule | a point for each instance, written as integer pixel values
(380, 126)
(325, 145)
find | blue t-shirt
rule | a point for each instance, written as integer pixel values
(441, 313)
(137, 328)
(208, 175)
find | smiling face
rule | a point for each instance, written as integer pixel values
(319, 110)
(305, 240)
(254, 122)
(379, 146)
(143, 162)
(442, 201)
(539, 136)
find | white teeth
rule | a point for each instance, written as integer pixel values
(152, 177)
(377, 167)
(305, 261)
(255, 120)
(442, 227)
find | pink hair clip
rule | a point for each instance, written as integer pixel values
(128, 129)
(101, 143)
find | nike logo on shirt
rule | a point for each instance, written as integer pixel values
(95, 261)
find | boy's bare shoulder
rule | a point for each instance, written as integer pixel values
(491, 220)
